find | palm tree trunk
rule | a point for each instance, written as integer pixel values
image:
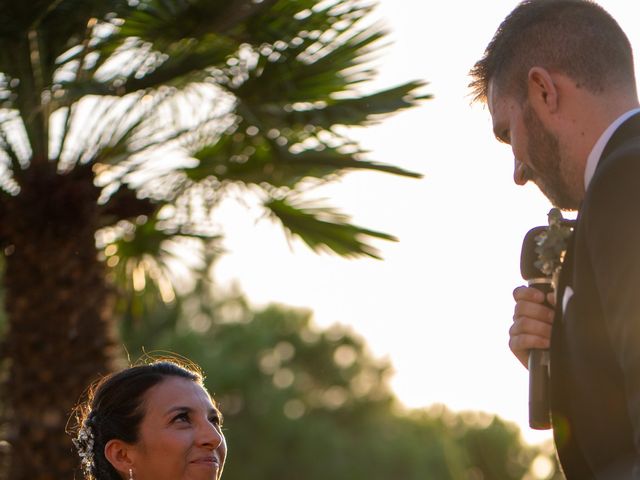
(56, 290)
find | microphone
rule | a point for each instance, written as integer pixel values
(539, 410)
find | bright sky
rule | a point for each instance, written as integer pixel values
(439, 306)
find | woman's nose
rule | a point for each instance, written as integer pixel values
(210, 435)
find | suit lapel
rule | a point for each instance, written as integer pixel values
(628, 130)
(573, 460)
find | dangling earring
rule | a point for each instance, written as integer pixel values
(130, 474)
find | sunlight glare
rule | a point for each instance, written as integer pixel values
(542, 467)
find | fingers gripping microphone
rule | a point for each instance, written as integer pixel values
(539, 416)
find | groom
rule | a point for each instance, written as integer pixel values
(559, 83)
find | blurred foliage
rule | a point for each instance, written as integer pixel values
(165, 107)
(304, 402)
(124, 124)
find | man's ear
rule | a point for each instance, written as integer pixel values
(542, 91)
(119, 454)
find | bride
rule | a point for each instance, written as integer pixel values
(151, 422)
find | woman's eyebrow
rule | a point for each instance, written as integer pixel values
(178, 408)
(182, 409)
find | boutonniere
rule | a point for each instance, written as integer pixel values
(552, 244)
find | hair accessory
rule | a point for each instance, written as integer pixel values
(84, 444)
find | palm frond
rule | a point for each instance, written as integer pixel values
(165, 22)
(184, 63)
(362, 110)
(9, 150)
(149, 263)
(255, 158)
(302, 73)
(51, 28)
(125, 204)
(324, 229)
(233, 92)
(289, 21)
(187, 38)
(187, 62)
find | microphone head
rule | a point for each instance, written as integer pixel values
(529, 256)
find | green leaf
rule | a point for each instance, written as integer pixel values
(256, 159)
(146, 260)
(298, 75)
(355, 111)
(322, 228)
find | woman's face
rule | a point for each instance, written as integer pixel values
(180, 435)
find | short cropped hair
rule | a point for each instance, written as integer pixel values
(575, 37)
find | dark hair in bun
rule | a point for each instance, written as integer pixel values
(113, 409)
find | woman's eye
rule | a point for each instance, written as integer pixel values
(216, 419)
(182, 417)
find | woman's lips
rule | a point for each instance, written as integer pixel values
(207, 461)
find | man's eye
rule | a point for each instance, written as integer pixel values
(503, 136)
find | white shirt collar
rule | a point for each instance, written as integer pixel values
(598, 148)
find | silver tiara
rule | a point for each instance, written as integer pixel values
(84, 444)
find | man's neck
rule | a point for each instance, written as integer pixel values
(590, 116)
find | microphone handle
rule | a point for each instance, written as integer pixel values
(539, 409)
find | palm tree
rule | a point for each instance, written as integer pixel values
(123, 123)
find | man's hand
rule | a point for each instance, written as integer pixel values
(531, 322)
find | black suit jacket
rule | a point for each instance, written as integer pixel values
(595, 343)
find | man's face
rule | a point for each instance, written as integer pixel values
(537, 152)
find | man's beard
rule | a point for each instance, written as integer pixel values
(543, 150)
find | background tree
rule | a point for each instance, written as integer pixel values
(303, 402)
(123, 123)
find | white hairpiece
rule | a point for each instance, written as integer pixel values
(84, 444)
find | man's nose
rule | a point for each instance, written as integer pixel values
(520, 172)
